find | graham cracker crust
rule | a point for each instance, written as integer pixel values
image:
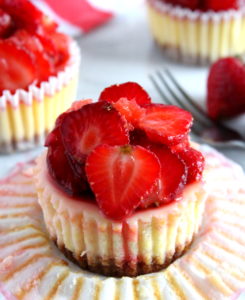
(22, 145)
(109, 268)
(176, 55)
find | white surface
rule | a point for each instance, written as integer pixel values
(121, 51)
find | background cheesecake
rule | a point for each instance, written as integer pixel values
(198, 32)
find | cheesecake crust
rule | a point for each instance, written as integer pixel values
(107, 267)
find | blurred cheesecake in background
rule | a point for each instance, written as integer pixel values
(38, 75)
(198, 32)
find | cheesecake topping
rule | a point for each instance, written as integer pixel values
(31, 48)
(207, 5)
(124, 151)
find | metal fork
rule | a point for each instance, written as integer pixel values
(204, 129)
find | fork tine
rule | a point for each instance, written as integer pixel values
(191, 103)
(181, 103)
(196, 127)
(183, 92)
(159, 89)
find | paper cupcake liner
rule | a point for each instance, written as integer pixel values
(213, 268)
(197, 37)
(27, 116)
(148, 241)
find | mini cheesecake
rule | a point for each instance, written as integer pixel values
(120, 186)
(39, 72)
(197, 35)
(147, 241)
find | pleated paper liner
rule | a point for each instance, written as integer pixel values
(196, 37)
(27, 116)
(213, 268)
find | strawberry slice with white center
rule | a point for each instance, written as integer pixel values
(129, 90)
(166, 124)
(92, 125)
(120, 176)
(17, 69)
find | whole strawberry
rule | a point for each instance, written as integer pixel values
(226, 88)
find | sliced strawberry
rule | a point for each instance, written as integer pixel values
(166, 124)
(24, 14)
(79, 104)
(48, 25)
(60, 42)
(172, 177)
(32, 44)
(53, 135)
(17, 69)
(195, 163)
(61, 170)
(139, 137)
(191, 4)
(184, 144)
(56, 47)
(130, 110)
(218, 5)
(173, 171)
(6, 24)
(129, 90)
(92, 125)
(54, 142)
(116, 176)
(53, 138)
